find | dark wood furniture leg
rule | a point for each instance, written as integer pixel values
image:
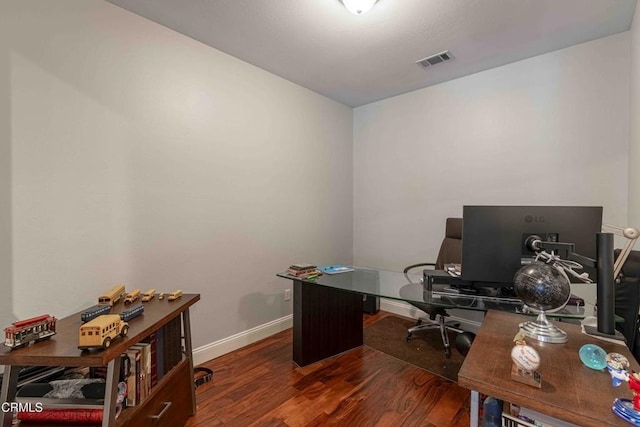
(111, 393)
(8, 394)
(326, 322)
(186, 327)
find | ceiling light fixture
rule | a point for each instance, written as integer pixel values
(358, 7)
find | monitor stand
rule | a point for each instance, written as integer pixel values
(460, 287)
(616, 337)
(462, 290)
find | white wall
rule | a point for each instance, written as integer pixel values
(5, 177)
(129, 153)
(552, 129)
(141, 156)
(634, 116)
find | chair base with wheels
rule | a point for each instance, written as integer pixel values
(436, 320)
(450, 253)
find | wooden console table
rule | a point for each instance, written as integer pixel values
(570, 391)
(159, 407)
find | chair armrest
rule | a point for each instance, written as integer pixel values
(424, 264)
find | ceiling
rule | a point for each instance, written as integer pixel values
(356, 60)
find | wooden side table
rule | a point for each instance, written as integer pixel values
(175, 392)
(570, 391)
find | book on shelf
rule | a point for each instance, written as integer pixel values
(153, 368)
(172, 344)
(516, 416)
(133, 391)
(160, 353)
(177, 324)
(166, 347)
(142, 371)
(177, 343)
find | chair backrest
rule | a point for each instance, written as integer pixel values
(451, 248)
(628, 301)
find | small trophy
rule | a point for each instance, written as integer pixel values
(525, 362)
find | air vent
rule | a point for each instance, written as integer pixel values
(435, 59)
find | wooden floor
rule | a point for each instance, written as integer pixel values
(259, 385)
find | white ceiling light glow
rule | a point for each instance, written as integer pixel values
(358, 7)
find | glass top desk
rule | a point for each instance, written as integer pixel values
(327, 310)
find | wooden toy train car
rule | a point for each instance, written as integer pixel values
(175, 295)
(99, 332)
(112, 296)
(148, 296)
(36, 329)
(132, 296)
(93, 312)
(129, 314)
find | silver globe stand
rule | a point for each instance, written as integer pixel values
(543, 330)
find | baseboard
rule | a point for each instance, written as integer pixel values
(400, 308)
(239, 340)
(407, 310)
(242, 339)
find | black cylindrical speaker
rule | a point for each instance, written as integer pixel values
(605, 291)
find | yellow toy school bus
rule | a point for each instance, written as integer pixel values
(147, 296)
(99, 332)
(175, 295)
(112, 296)
(132, 296)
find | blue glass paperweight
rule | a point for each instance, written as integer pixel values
(624, 409)
(593, 356)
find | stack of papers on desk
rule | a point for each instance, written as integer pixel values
(335, 269)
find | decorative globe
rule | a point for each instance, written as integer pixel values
(541, 286)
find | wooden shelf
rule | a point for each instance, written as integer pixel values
(62, 350)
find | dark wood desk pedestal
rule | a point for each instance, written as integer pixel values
(570, 391)
(326, 322)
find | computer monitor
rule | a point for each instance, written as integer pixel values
(493, 238)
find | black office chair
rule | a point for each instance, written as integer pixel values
(627, 292)
(450, 253)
